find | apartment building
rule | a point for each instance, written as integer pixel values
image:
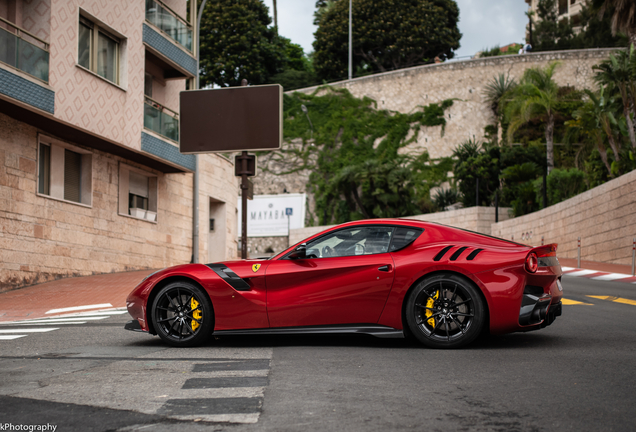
(567, 9)
(91, 177)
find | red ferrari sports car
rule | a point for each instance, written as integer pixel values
(384, 277)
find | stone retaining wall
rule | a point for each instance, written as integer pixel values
(604, 218)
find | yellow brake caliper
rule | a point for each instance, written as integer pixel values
(197, 314)
(429, 304)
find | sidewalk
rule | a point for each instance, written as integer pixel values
(36, 300)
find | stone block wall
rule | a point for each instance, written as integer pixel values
(604, 218)
(43, 239)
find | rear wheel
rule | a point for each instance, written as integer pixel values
(445, 311)
(182, 315)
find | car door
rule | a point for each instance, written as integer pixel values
(345, 278)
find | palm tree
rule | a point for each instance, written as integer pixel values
(593, 123)
(493, 94)
(536, 97)
(624, 17)
(619, 71)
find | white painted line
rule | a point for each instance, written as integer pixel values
(40, 323)
(582, 273)
(54, 320)
(37, 330)
(11, 337)
(611, 276)
(567, 268)
(78, 308)
(98, 313)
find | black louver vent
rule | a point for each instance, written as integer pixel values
(473, 254)
(458, 252)
(441, 253)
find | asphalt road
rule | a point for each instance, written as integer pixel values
(578, 374)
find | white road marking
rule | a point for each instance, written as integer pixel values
(77, 308)
(48, 320)
(563, 268)
(35, 330)
(611, 276)
(582, 273)
(2, 337)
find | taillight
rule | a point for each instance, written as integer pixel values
(532, 262)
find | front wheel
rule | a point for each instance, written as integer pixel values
(445, 311)
(182, 315)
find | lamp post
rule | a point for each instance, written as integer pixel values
(350, 42)
(195, 186)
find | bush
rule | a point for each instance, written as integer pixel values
(562, 184)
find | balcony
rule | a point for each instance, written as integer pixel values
(176, 28)
(24, 51)
(161, 120)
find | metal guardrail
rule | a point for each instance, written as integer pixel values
(166, 20)
(161, 120)
(22, 54)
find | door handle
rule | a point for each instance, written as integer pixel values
(385, 268)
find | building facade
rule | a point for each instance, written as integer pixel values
(91, 177)
(566, 9)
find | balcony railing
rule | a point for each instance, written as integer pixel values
(23, 54)
(170, 23)
(161, 120)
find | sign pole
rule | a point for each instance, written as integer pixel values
(244, 188)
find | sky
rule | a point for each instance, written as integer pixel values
(483, 23)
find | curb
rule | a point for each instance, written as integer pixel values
(598, 275)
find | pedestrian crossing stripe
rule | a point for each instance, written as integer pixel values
(574, 302)
(615, 299)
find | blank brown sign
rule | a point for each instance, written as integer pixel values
(231, 119)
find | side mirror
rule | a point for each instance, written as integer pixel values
(300, 252)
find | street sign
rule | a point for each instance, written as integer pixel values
(231, 119)
(289, 211)
(251, 165)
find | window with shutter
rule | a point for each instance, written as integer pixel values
(72, 176)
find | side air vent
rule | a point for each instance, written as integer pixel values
(230, 277)
(441, 253)
(458, 252)
(473, 254)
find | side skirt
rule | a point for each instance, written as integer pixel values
(371, 329)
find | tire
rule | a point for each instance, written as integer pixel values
(182, 315)
(445, 311)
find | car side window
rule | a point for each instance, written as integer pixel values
(351, 241)
(403, 237)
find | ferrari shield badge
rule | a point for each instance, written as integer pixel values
(255, 267)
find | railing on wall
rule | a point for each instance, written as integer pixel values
(161, 120)
(162, 17)
(30, 56)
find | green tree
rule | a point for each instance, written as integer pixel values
(552, 33)
(537, 97)
(494, 93)
(476, 167)
(237, 43)
(387, 34)
(620, 71)
(593, 124)
(623, 13)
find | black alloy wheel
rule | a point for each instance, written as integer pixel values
(182, 315)
(445, 311)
